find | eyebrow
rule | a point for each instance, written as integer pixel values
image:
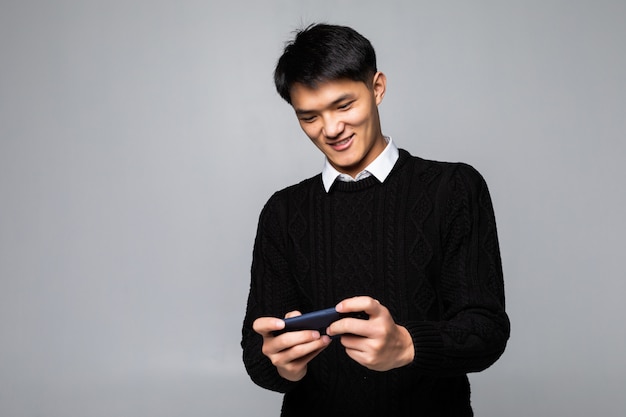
(343, 97)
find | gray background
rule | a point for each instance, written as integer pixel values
(140, 139)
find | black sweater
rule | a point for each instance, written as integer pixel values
(424, 244)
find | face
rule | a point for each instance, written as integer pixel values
(341, 119)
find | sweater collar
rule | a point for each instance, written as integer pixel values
(379, 167)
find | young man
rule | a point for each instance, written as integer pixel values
(410, 242)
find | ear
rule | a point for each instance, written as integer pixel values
(379, 86)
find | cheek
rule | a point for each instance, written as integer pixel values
(357, 118)
(311, 130)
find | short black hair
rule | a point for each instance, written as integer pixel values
(323, 52)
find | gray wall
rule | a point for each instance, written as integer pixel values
(140, 139)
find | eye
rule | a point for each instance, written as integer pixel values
(307, 119)
(345, 106)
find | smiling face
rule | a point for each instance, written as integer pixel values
(341, 119)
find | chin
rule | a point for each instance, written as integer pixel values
(345, 166)
(347, 161)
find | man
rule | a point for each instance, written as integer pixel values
(410, 242)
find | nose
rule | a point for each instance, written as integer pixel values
(333, 126)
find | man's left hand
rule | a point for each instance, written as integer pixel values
(378, 343)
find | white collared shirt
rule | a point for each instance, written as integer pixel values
(379, 167)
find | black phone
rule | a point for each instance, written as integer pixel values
(316, 320)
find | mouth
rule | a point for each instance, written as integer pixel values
(342, 144)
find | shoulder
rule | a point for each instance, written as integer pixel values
(303, 188)
(440, 172)
(280, 201)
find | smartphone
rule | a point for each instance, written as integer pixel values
(316, 320)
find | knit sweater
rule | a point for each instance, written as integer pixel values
(424, 244)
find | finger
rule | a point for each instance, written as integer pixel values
(295, 369)
(266, 325)
(305, 344)
(357, 304)
(313, 349)
(304, 350)
(353, 342)
(289, 340)
(353, 326)
(294, 313)
(359, 355)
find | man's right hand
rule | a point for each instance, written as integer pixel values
(290, 352)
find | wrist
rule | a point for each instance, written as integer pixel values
(408, 348)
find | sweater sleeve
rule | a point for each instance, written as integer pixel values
(270, 295)
(472, 329)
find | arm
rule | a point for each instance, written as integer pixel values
(472, 328)
(274, 362)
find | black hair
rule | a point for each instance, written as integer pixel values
(323, 52)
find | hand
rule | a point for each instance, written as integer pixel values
(378, 343)
(289, 352)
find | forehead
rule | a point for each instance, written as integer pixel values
(325, 94)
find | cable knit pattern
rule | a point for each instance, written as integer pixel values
(424, 243)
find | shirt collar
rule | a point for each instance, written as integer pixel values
(379, 167)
